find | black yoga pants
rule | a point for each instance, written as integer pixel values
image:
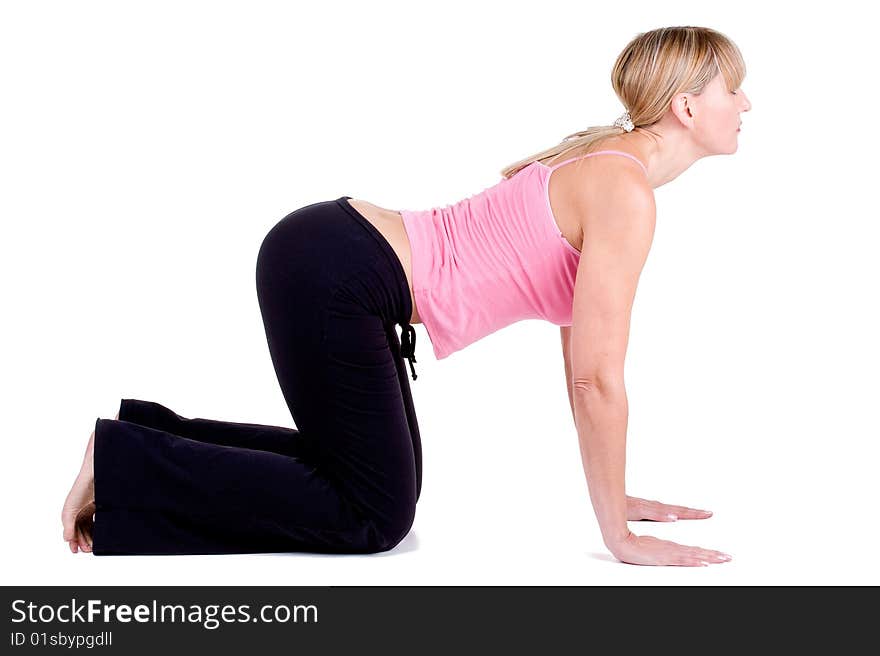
(331, 291)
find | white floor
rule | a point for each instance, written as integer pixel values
(504, 499)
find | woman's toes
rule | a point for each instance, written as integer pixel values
(80, 533)
(82, 539)
(79, 506)
(87, 534)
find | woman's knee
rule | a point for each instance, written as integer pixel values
(390, 533)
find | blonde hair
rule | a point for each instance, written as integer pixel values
(648, 73)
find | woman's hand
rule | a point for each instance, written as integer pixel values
(637, 509)
(648, 550)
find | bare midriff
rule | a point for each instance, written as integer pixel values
(390, 224)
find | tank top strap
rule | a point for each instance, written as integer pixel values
(601, 152)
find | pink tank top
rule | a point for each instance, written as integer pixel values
(492, 259)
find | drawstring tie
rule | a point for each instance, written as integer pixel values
(407, 347)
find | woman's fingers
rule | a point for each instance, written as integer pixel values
(638, 509)
(684, 512)
(717, 557)
(661, 512)
(649, 550)
(695, 556)
(707, 555)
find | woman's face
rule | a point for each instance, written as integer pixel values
(717, 117)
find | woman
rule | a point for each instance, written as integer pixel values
(563, 237)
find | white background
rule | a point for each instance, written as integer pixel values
(148, 147)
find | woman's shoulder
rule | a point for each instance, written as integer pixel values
(592, 179)
(600, 183)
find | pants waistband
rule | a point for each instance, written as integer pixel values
(408, 337)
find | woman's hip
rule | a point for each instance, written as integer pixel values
(326, 250)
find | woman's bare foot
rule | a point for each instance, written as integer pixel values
(77, 515)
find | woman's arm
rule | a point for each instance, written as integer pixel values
(618, 231)
(565, 333)
(617, 237)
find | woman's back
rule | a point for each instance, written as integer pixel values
(505, 254)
